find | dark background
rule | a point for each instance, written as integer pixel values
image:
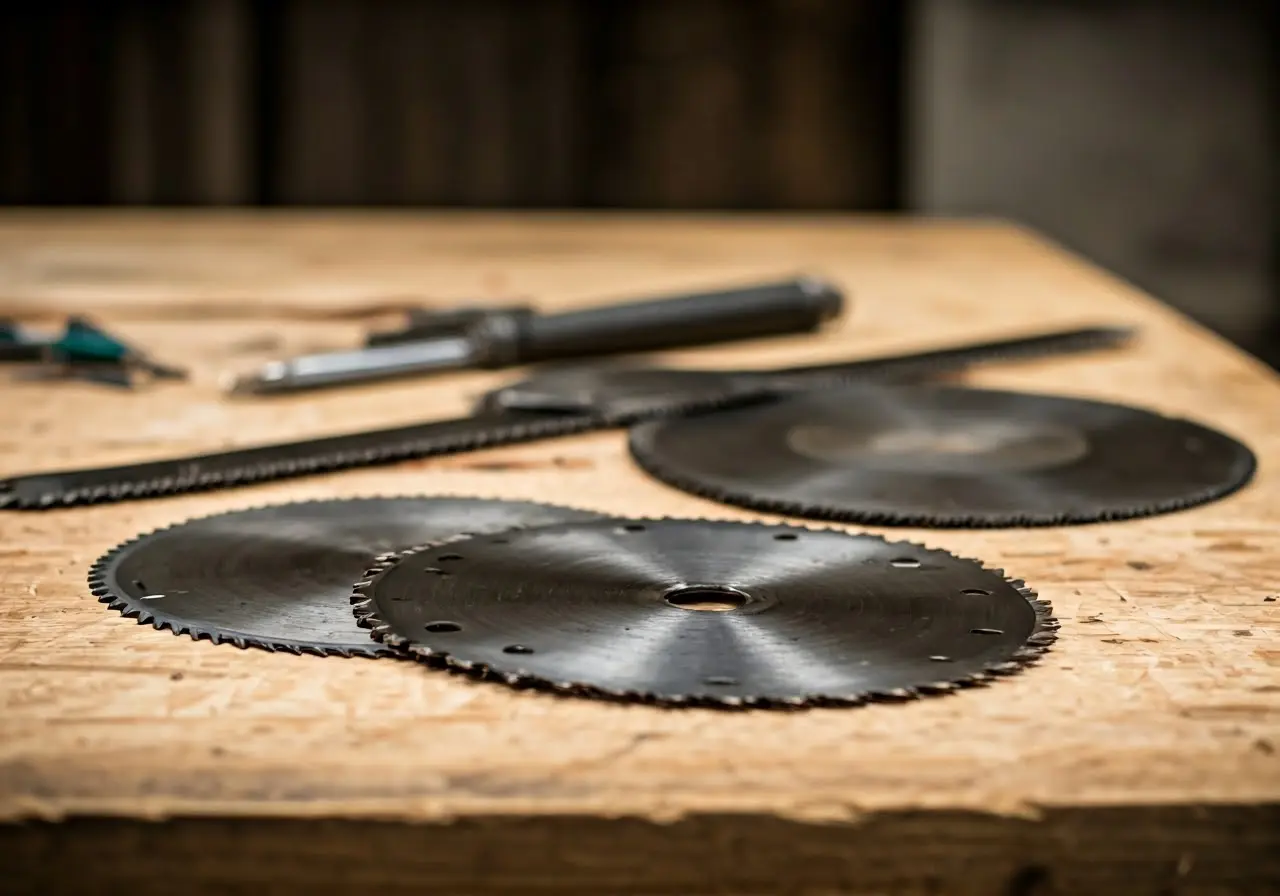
(1142, 133)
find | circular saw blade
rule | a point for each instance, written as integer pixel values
(945, 457)
(697, 612)
(280, 577)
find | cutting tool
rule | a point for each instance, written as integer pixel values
(557, 403)
(279, 577)
(944, 457)
(696, 612)
(84, 351)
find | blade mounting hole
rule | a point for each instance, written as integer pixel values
(986, 631)
(706, 598)
(517, 648)
(442, 626)
(976, 592)
(631, 527)
(905, 563)
(785, 536)
(447, 558)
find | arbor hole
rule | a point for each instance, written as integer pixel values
(706, 598)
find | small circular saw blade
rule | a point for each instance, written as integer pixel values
(280, 577)
(706, 613)
(944, 457)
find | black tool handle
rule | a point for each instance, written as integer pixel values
(773, 309)
(424, 324)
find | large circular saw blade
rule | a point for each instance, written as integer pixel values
(280, 577)
(938, 456)
(687, 611)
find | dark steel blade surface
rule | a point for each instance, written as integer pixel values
(949, 359)
(706, 612)
(561, 402)
(624, 394)
(935, 456)
(280, 577)
(229, 468)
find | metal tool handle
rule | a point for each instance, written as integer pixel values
(379, 362)
(792, 306)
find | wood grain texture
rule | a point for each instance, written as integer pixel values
(1160, 703)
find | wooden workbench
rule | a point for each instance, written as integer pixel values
(1141, 756)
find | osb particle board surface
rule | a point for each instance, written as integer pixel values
(1164, 687)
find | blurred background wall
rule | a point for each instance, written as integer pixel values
(1141, 133)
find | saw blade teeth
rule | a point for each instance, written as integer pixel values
(391, 640)
(410, 447)
(938, 687)
(428, 656)
(1008, 668)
